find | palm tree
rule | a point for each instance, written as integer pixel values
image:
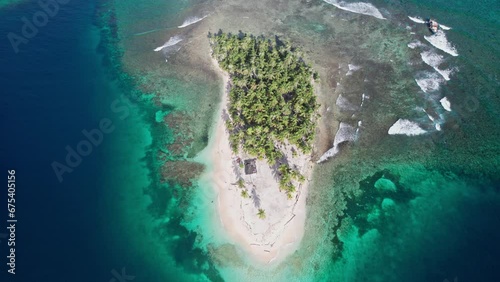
(244, 194)
(261, 214)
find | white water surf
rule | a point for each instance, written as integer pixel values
(352, 69)
(446, 104)
(434, 60)
(440, 41)
(191, 20)
(358, 8)
(429, 82)
(171, 42)
(417, 20)
(345, 133)
(406, 127)
(442, 26)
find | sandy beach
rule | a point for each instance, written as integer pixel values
(270, 239)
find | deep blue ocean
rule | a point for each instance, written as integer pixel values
(49, 94)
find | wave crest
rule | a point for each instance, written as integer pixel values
(434, 60)
(446, 104)
(171, 42)
(440, 41)
(406, 127)
(417, 20)
(191, 20)
(429, 82)
(358, 8)
(345, 133)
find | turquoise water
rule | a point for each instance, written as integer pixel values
(387, 208)
(427, 229)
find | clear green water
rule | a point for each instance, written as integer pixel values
(388, 208)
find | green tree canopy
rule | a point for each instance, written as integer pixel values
(271, 100)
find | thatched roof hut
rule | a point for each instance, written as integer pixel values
(250, 167)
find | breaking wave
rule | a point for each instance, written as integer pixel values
(446, 104)
(345, 133)
(406, 127)
(442, 26)
(429, 115)
(440, 41)
(352, 69)
(171, 42)
(415, 44)
(417, 20)
(436, 121)
(363, 98)
(191, 20)
(429, 82)
(434, 60)
(422, 21)
(344, 104)
(358, 8)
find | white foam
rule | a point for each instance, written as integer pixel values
(430, 117)
(422, 21)
(417, 20)
(363, 98)
(191, 20)
(434, 60)
(446, 104)
(357, 7)
(437, 122)
(440, 41)
(352, 68)
(406, 127)
(171, 42)
(415, 44)
(442, 26)
(345, 133)
(344, 104)
(357, 129)
(429, 82)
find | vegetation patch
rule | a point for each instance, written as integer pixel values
(271, 100)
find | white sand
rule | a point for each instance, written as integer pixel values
(267, 240)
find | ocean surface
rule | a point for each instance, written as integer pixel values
(408, 191)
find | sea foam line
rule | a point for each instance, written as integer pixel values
(434, 60)
(358, 8)
(191, 20)
(442, 26)
(440, 41)
(446, 104)
(406, 127)
(415, 44)
(417, 20)
(345, 133)
(429, 82)
(352, 69)
(344, 104)
(171, 42)
(421, 21)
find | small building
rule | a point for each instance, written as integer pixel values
(250, 167)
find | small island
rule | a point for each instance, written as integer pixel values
(263, 142)
(272, 104)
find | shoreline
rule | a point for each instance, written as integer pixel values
(268, 240)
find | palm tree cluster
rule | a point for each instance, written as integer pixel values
(271, 100)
